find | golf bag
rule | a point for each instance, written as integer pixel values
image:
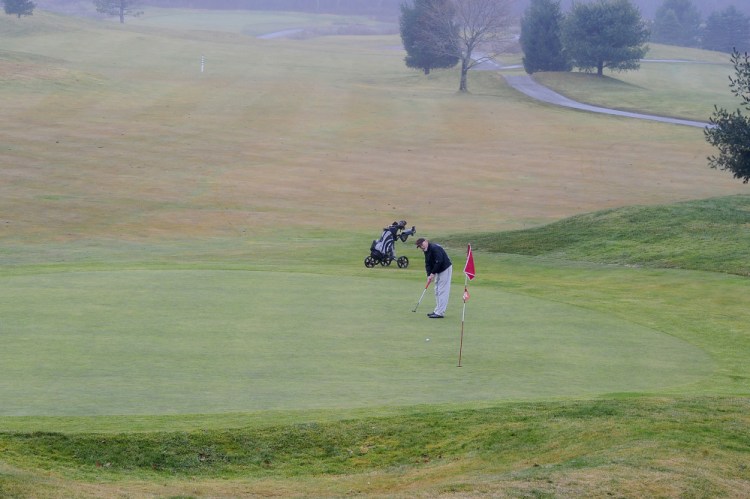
(382, 250)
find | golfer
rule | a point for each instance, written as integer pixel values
(440, 269)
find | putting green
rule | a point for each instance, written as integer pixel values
(199, 341)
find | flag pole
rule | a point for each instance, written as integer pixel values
(463, 315)
(469, 274)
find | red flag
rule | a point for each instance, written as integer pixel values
(469, 267)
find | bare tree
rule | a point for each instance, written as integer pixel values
(475, 31)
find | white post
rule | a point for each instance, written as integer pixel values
(203, 62)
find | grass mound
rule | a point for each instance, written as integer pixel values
(711, 235)
(530, 450)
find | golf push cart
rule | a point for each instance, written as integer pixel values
(382, 250)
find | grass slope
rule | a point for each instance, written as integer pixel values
(108, 149)
(710, 234)
(628, 448)
(672, 81)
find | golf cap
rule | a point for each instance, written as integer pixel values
(420, 241)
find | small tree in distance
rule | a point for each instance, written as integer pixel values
(541, 37)
(727, 30)
(416, 36)
(19, 7)
(730, 132)
(119, 8)
(605, 34)
(473, 30)
(677, 22)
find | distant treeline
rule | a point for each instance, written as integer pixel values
(382, 8)
(363, 7)
(648, 7)
(392, 7)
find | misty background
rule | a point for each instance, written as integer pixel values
(383, 9)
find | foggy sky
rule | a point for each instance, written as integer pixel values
(390, 8)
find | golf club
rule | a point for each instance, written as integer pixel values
(429, 280)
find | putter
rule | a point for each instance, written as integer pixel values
(429, 280)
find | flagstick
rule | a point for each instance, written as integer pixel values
(463, 315)
(468, 270)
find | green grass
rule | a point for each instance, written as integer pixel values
(711, 234)
(620, 447)
(184, 342)
(185, 312)
(683, 84)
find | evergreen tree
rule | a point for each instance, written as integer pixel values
(417, 35)
(727, 30)
(605, 34)
(120, 8)
(730, 132)
(541, 37)
(677, 22)
(19, 7)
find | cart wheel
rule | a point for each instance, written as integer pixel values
(369, 262)
(402, 262)
(385, 261)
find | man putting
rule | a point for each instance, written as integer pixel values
(440, 269)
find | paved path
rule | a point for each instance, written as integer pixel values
(526, 84)
(287, 33)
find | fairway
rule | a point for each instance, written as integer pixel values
(189, 342)
(185, 207)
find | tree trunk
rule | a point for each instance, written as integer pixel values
(600, 69)
(464, 86)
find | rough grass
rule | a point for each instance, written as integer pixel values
(149, 149)
(258, 23)
(628, 448)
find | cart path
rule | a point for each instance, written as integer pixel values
(528, 86)
(287, 33)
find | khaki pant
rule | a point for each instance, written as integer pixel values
(443, 290)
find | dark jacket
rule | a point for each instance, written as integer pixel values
(436, 259)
